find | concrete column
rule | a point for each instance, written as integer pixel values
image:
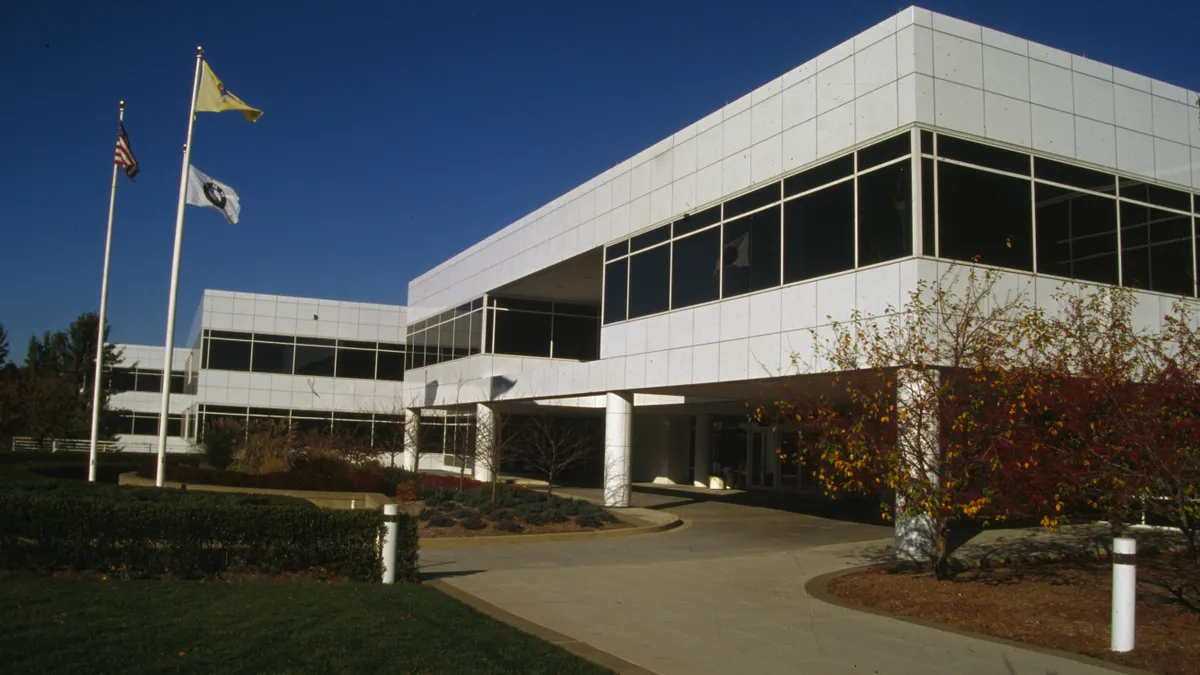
(618, 428)
(917, 440)
(412, 426)
(485, 442)
(703, 460)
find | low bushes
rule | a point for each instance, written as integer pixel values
(152, 532)
(512, 510)
(333, 476)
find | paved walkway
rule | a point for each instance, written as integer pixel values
(723, 594)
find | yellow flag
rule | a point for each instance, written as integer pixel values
(214, 97)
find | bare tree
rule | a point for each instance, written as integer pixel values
(497, 435)
(551, 445)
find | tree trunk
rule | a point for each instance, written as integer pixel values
(494, 482)
(941, 563)
(550, 484)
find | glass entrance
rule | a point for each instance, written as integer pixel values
(761, 467)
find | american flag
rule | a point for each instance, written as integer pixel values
(124, 154)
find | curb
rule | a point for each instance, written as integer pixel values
(665, 522)
(818, 589)
(576, 647)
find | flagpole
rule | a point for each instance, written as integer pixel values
(169, 345)
(96, 387)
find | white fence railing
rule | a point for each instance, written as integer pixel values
(26, 444)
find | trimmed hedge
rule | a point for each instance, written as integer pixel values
(146, 532)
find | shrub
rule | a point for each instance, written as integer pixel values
(555, 515)
(472, 523)
(588, 520)
(435, 496)
(530, 512)
(463, 512)
(498, 513)
(408, 492)
(220, 442)
(509, 525)
(441, 520)
(445, 507)
(367, 481)
(190, 535)
(426, 513)
(605, 516)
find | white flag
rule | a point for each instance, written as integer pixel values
(204, 191)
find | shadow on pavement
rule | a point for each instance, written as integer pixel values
(852, 509)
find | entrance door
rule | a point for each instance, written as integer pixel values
(759, 465)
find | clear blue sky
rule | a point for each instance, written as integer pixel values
(396, 133)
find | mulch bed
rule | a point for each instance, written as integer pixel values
(1061, 605)
(426, 531)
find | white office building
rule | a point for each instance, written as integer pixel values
(669, 289)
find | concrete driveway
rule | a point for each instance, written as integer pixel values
(723, 594)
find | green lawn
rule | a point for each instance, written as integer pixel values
(131, 627)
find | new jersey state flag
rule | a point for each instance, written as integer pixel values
(214, 97)
(204, 191)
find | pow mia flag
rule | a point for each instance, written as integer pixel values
(204, 191)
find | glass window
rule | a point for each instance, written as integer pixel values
(695, 275)
(1075, 176)
(475, 339)
(319, 342)
(177, 383)
(1156, 249)
(818, 235)
(616, 250)
(1076, 234)
(174, 425)
(819, 175)
(317, 361)
(616, 283)
(149, 380)
(576, 337)
(750, 254)
(649, 281)
(146, 424)
(522, 333)
(697, 221)
(462, 335)
(984, 214)
(270, 357)
(391, 366)
(356, 363)
(751, 200)
(927, 142)
(647, 239)
(928, 210)
(267, 337)
(576, 309)
(885, 214)
(983, 155)
(122, 379)
(1155, 194)
(228, 355)
(883, 151)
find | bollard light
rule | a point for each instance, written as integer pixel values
(1124, 593)
(391, 530)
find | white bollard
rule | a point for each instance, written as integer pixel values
(391, 530)
(1124, 593)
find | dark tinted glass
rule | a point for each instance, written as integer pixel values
(576, 337)
(751, 200)
(928, 210)
(927, 142)
(390, 367)
(309, 424)
(818, 237)
(1155, 194)
(272, 358)
(321, 342)
(819, 175)
(146, 424)
(526, 304)
(695, 271)
(616, 250)
(750, 256)
(268, 412)
(1075, 176)
(983, 155)
(697, 221)
(149, 380)
(230, 334)
(888, 149)
(358, 344)
(177, 383)
(475, 339)
(269, 337)
(885, 214)
(391, 347)
(174, 425)
(616, 284)
(647, 239)
(576, 309)
(1076, 234)
(522, 333)
(984, 215)
(316, 361)
(1156, 249)
(228, 355)
(356, 363)
(122, 379)
(649, 281)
